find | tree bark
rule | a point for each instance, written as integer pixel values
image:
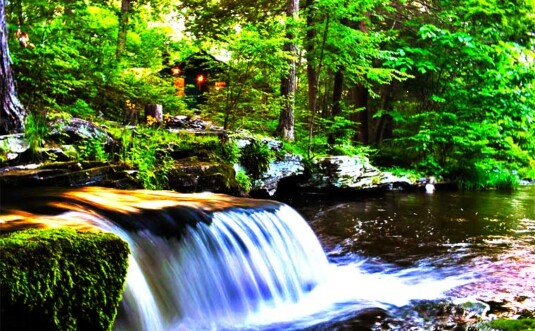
(155, 111)
(384, 127)
(359, 95)
(338, 89)
(123, 28)
(360, 99)
(312, 73)
(12, 114)
(285, 129)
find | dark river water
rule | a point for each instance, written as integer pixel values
(489, 237)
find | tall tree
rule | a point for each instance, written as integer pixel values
(124, 17)
(12, 113)
(285, 128)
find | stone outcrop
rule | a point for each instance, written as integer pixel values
(190, 175)
(75, 130)
(284, 166)
(341, 175)
(343, 172)
(290, 165)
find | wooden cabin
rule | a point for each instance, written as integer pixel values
(196, 75)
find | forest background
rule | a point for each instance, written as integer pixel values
(440, 87)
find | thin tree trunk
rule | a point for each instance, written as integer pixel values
(360, 100)
(338, 89)
(314, 78)
(12, 114)
(285, 128)
(312, 73)
(123, 28)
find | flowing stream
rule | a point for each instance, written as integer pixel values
(213, 262)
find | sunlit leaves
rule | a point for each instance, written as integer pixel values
(475, 88)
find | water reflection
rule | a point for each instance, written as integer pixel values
(490, 235)
(405, 228)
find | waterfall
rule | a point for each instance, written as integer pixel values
(201, 261)
(244, 261)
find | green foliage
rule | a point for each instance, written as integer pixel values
(441, 96)
(72, 52)
(3, 152)
(488, 174)
(255, 158)
(243, 180)
(93, 149)
(227, 151)
(473, 118)
(72, 67)
(527, 324)
(60, 279)
(256, 61)
(35, 131)
(145, 150)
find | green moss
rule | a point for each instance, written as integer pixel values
(61, 279)
(527, 324)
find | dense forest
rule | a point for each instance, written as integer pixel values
(443, 87)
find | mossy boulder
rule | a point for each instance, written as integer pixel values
(61, 279)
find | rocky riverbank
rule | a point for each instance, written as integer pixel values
(56, 162)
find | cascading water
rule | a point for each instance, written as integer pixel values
(244, 261)
(205, 262)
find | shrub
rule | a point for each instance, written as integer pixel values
(229, 151)
(255, 158)
(244, 182)
(35, 131)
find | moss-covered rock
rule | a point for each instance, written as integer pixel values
(61, 279)
(527, 324)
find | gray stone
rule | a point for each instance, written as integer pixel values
(289, 165)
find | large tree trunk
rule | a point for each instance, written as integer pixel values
(384, 126)
(123, 28)
(12, 113)
(285, 128)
